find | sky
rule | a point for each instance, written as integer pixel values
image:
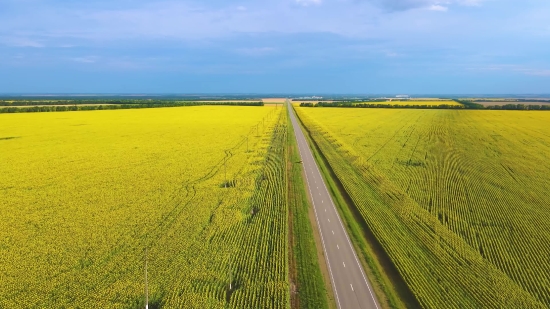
(275, 46)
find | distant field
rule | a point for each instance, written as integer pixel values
(428, 99)
(27, 106)
(511, 102)
(413, 102)
(310, 101)
(458, 199)
(110, 102)
(274, 100)
(216, 101)
(83, 194)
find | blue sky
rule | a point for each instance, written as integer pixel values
(268, 46)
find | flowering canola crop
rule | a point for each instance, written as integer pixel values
(86, 196)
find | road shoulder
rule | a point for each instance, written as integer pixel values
(310, 281)
(389, 287)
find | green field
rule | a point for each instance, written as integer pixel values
(457, 199)
(84, 194)
(309, 288)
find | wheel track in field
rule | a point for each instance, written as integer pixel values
(264, 175)
(189, 192)
(191, 186)
(210, 174)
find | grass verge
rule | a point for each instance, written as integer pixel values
(388, 285)
(308, 288)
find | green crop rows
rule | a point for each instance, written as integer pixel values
(309, 290)
(458, 199)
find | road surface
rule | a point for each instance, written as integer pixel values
(349, 283)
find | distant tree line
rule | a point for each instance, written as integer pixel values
(113, 102)
(369, 100)
(78, 102)
(520, 107)
(515, 100)
(464, 105)
(371, 105)
(98, 106)
(472, 105)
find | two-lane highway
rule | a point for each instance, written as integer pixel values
(350, 285)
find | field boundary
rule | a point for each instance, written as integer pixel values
(81, 106)
(312, 286)
(390, 289)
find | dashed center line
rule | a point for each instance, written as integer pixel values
(313, 171)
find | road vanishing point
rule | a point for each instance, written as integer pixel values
(349, 283)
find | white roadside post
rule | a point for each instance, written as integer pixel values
(146, 287)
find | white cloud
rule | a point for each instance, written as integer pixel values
(437, 7)
(194, 23)
(513, 68)
(87, 59)
(536, 72)
(434, 5)
(22, 42)
(308, 2)
(470, 2)
(256, 51)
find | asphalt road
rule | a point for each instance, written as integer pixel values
(349, 283)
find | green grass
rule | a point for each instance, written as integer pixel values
(390, 289)
(311, 291)
(451, 196)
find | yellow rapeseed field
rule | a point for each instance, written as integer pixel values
(459, 199)
(83, 194)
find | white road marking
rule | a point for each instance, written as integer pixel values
(332, 232)
(321, 232)
(311, 172)
(325, 210)
(322, 201)
(328, 220)
(344, 264)
(338, 247)
(349, 242)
